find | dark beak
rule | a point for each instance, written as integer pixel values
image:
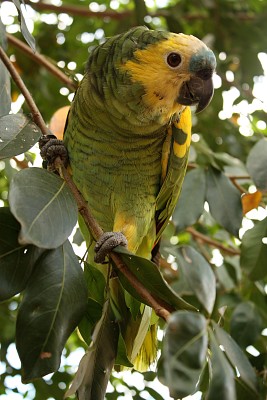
(196, 91)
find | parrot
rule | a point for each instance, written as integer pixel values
(128, 136)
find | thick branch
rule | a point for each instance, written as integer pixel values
(212, 242)
(36, 115)
(40, 59)
(161, 308)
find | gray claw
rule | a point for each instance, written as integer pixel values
(106, 244)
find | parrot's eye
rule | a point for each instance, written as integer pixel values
(174, 59)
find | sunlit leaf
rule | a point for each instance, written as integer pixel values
(24, 30)
(222, 383)
(54, 302)
(5, 94)
(254, 251)
(251, 201)
(247, 374)
(191, 202)
(17, 135)
(16, 261)
(58, 121)
(92, 377)
(224, 201)
(198, 275)
(256, 164)
(184, 352)
(246, 324)
(148, 273)
(44, 206)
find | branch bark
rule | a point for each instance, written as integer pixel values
(36, 115)
(214, 243)
(161, 308)
(41, 60)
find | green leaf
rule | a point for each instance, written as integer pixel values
(224, 201)
(93, 373)
(148, 273)
(16, 261)
(17, 135)
(184, 352)
(54, 302)
(44, 206)
(246, 324)
(256, 164)
(222, 384)
(197, 274)
(254, 251)
(91, 317)
(5, 93)
(237, 358)
(95, 282)
(191, 202)
(122, 358)
(24, 30)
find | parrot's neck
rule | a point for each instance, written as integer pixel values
(122, 113)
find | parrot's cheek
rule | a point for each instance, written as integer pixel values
(196, 91)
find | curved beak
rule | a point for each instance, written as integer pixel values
(196, 91)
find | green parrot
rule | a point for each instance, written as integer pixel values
(128, 136)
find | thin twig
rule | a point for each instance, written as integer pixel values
(36, 115)
(212, 242)
(119, 15)
(40, 59)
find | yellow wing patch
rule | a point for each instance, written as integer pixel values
(180, 148)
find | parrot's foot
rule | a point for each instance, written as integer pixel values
(51, 148)
(106, 244)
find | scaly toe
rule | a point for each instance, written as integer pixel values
(107, 242)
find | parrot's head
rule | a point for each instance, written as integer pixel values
(175, 70)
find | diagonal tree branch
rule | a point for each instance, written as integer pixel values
(40, 59)
(161, 308)
(36, 115)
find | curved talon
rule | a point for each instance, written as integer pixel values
(106, 244)
(51, 148)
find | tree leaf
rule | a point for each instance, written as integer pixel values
(237, 358)
(95, 282)
(251, 201)
(92, 377)
(256, 164)
(91, 317)
(254, 251)
(245, 324)
(17, 135)
(222, 383)
(24, 30)
(54, 302)
(224, 201)
(5, 93)
(198, 275)
(191, 202)
(184, 352)
(16, 261)
(44, 206)
(148, 273)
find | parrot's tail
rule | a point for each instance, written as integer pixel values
(148, 351)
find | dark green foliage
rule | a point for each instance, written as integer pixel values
(220, 309)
